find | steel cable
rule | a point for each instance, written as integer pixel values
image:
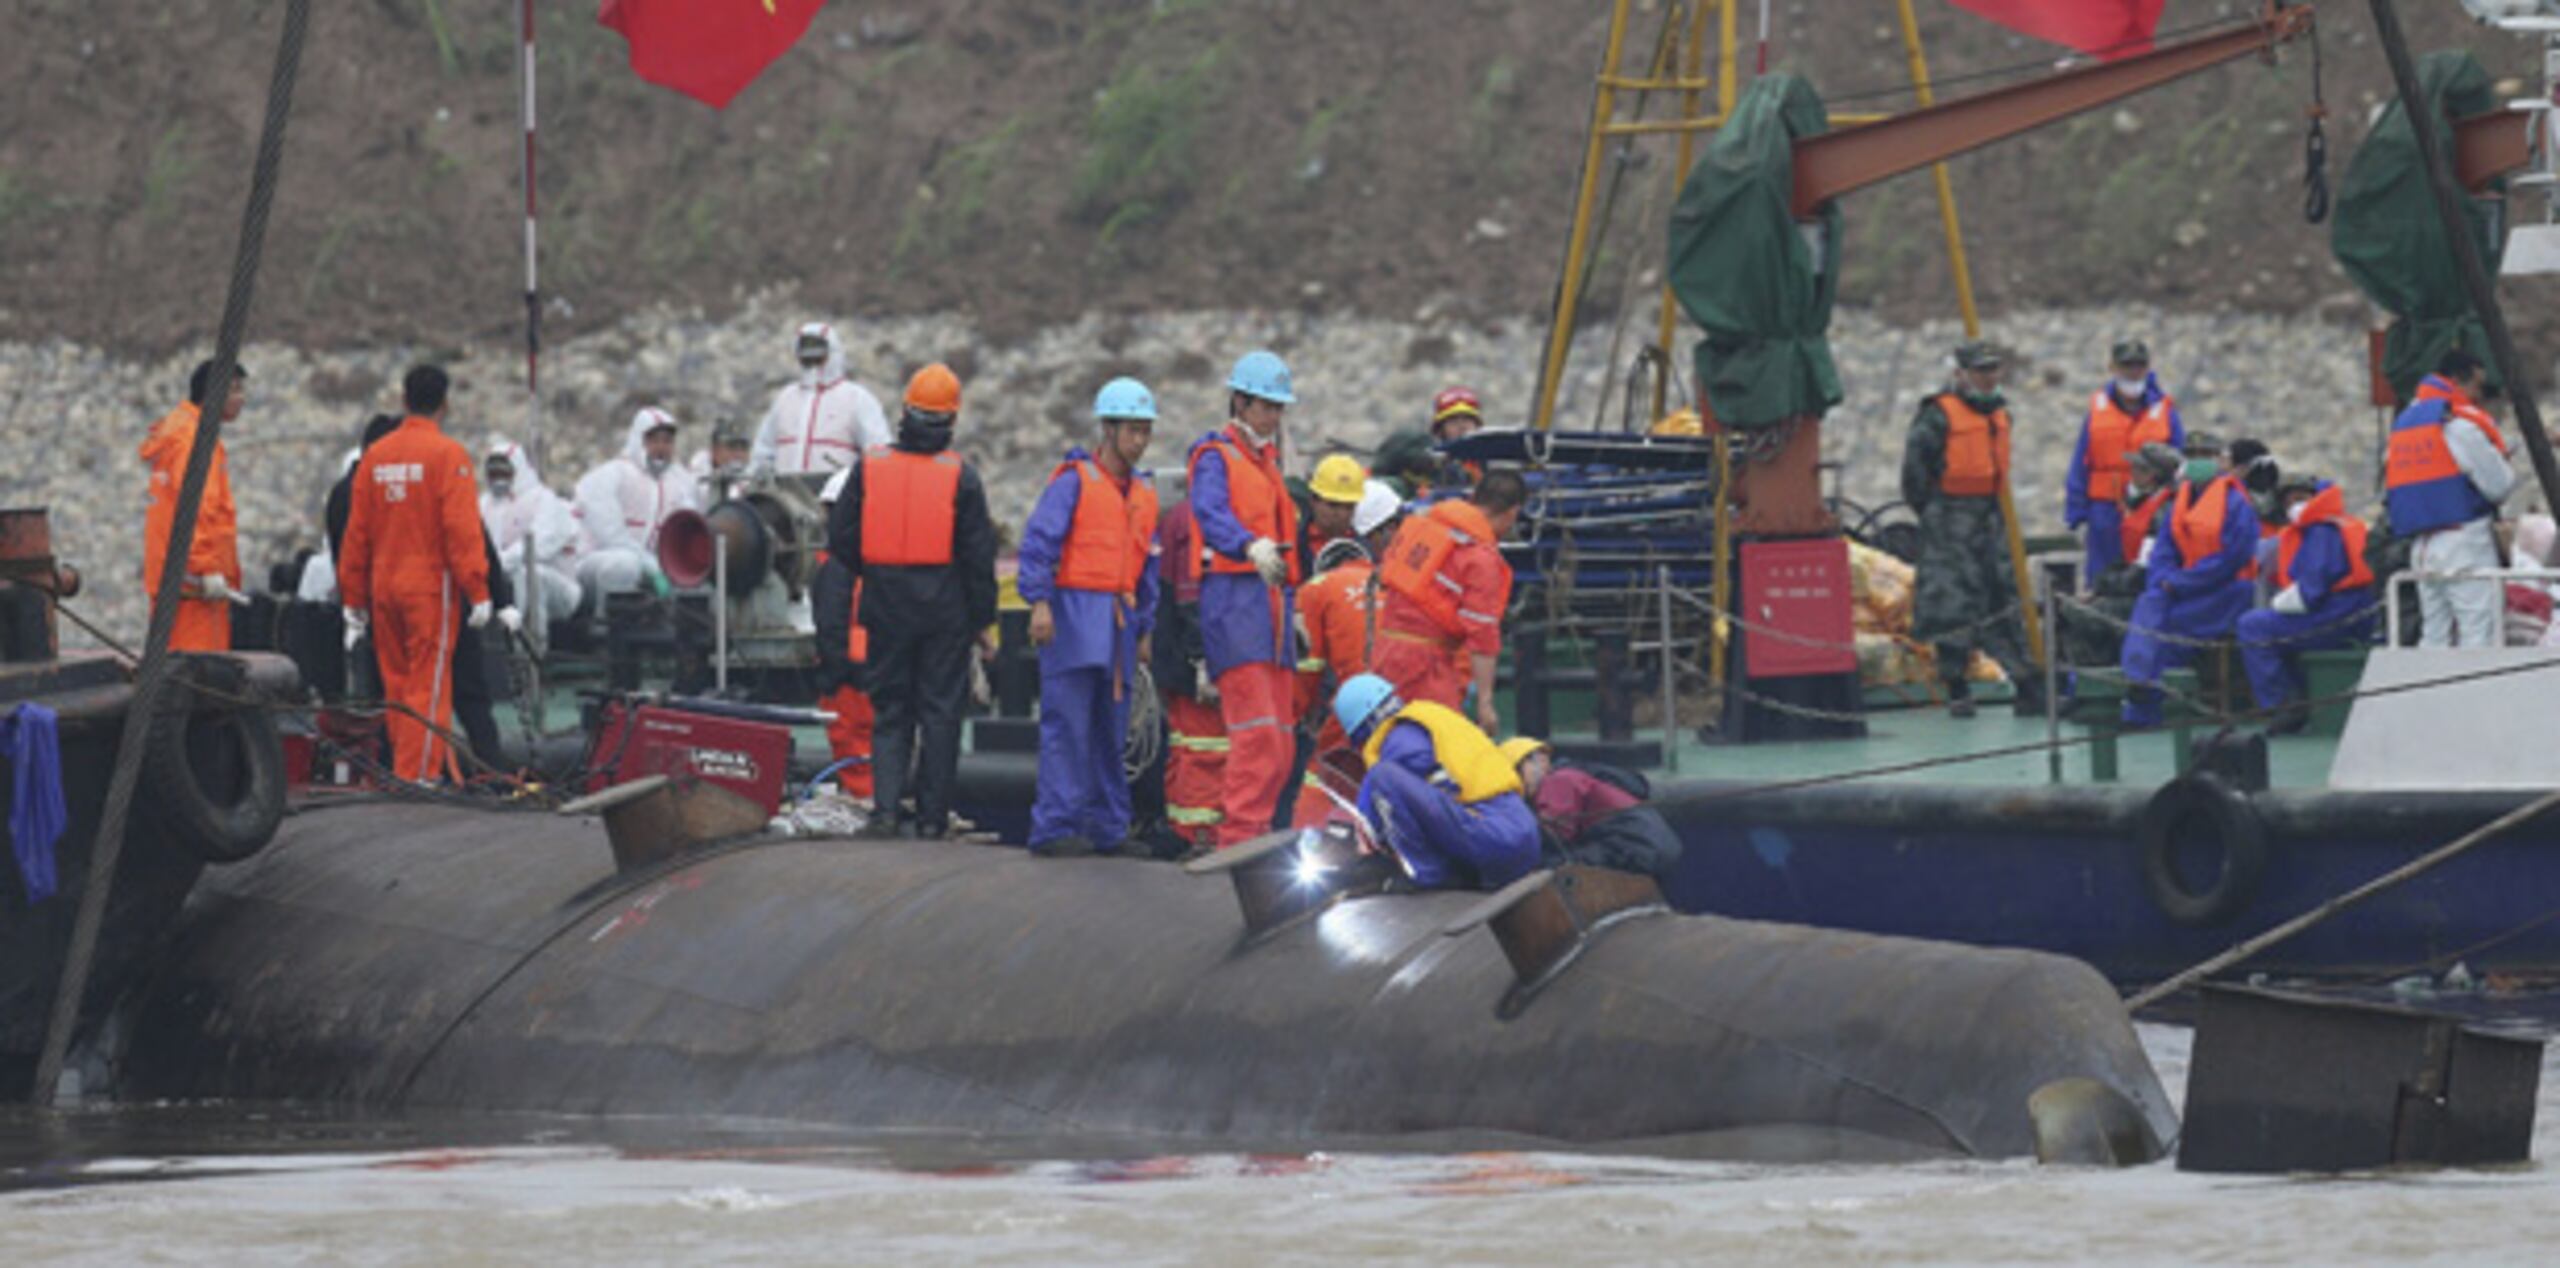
(156, 665)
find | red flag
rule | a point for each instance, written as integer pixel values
(2108, 29)
(708, 50)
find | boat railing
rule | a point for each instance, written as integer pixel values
(2411, 576)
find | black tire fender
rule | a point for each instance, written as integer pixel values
(213, 776)
(2201, 807)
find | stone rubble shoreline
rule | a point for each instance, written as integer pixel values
(71, 416)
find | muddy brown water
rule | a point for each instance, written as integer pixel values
(234, 1184)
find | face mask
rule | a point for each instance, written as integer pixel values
(2131, 389)
(501, 485)
(2293, 513)
(2201, 470)
(658, 466)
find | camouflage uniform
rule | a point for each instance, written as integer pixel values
(1964, 569)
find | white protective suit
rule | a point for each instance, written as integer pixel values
(530, 509)
(821, 423)
(319, 581)
(621, 505)
(2455, 611)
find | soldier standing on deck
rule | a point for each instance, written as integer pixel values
(1954, 468)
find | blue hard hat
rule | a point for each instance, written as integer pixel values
(1363, 700)
(1124, 397)
(1262, 374)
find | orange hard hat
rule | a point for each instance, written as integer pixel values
(934, 390)
(1452, 402)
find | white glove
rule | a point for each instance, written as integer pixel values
(2143, 556)
(212, 585)
(357, 619)
(1204, 688)
(1265, 554)
(2289, 601)
(479, 614)
(512, 618)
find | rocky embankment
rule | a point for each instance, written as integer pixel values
(70, 416)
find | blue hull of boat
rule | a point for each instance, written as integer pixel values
(2058, 869)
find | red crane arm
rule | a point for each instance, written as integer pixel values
(1836, 163)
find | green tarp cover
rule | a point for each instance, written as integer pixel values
(2390, 240)
(1744, 269)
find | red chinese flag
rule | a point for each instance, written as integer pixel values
(708, 50)
(2108, 29)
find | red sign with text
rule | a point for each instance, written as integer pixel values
(1801, 590)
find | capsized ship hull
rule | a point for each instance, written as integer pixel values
(427, 956)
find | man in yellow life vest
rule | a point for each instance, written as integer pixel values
(1954, 468)
(1440, 794)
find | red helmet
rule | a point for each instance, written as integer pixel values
(1453, 402)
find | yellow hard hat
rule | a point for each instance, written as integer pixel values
(1521, 748)
(1339, 478)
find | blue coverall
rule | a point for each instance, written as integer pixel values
(2199, 600)
(2102, 519)
(1085, 673)
(2269, 640)
(1445, 844)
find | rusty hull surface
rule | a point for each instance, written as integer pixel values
(403, 955)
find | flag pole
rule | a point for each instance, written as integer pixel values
(539, 627)
(532, 268)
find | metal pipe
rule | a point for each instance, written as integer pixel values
(1604, 105)
(2466, 253)
(1670, 689)
(1720, 630)
(1922, 93)
(540, 623)
(1728, 89)
(532, 258)
(720, 615)
(2052, 690)
(1693, 56)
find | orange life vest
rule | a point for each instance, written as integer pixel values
(2328, 506)
(908, 503)
(2424, 487)
(1417, 562)
(1977, 448)
(2139, 520)
(2195, 523)
(1107, 544)
(1336, 609)
(2114, 435)
(1256, 495)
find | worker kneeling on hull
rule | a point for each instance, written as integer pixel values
(1442, 797)
(1088, 568)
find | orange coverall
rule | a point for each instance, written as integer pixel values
(204, 625)
(413, 557)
